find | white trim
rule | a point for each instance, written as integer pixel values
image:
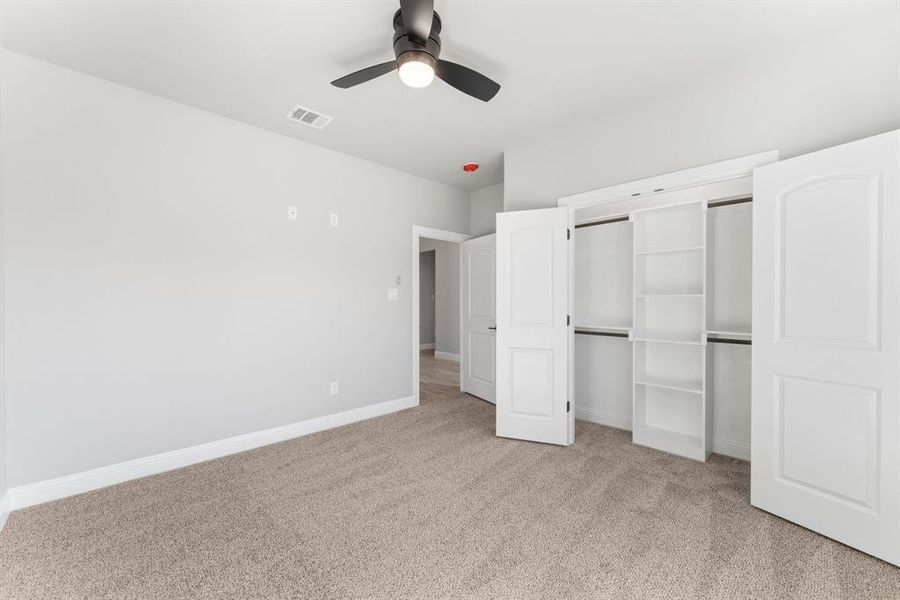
(419, 231)
(446, 356)
(78, 483)
(429, 346)
(443, 235)
(4, 509)
(712, 173)
(604, 417)
(462, 308)
(730, 448)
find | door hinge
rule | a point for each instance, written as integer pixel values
(568, 406)
(568, 234)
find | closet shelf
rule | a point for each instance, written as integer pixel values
(740, 335)
(670, 441)
(671, 384)
(669, 251)
(665, 341)
(668, 295)
(604, 328)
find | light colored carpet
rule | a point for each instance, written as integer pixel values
(428, 503)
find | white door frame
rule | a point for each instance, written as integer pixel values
(419, 231)
(634, 195)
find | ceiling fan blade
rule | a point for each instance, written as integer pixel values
(417, 16)
(466, 80)
(364, 75)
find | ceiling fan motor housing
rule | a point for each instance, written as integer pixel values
(407, 48)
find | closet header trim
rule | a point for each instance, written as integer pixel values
(603, 222)
(712, 173)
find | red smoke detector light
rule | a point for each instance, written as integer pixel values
(470, 167)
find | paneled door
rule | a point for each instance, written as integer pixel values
(479, 316)
(533, 342)
(826, 343)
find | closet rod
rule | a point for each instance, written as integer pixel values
(730, 202)
(603, 222)
(603, 333)
(625, 218)
(728, 341)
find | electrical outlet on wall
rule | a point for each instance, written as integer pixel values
(292, 213)
(334, 220)
(392, 294)
(334, 388)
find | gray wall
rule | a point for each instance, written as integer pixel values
(446, 308)
(157, 296)
(426, 297)
(3, 428)
(484, 204)
(827, 92)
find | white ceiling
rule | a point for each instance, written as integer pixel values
(559, 63)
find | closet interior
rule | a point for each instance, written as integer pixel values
(662, 307)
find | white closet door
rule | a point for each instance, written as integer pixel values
(826, 343)
(533, 345)
(479, 309)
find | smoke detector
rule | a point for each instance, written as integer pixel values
(311, 118)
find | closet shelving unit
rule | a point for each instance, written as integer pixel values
(673, 288)
(670, 408)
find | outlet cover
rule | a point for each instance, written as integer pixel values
(334, 220)
(292, 213)
(334, 388)
(392, 294)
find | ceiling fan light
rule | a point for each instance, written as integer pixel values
(416, 69)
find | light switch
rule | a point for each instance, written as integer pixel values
(392, 294)
(292, 213)
(334, 220)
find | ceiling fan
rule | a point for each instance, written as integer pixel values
(417, 46)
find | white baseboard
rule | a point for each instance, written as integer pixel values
(426, 346)
(603, 417)
(4, 509)
(731, 448)
(446, 356)
(77, 483)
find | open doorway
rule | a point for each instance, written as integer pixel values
(439, 310)
(436, 342)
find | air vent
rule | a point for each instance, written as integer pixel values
(303, 115)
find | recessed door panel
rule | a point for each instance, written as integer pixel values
(480, 260)
(531, 276)
(481, 352)
(830, 272)
(828, 438)
(532, 382)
